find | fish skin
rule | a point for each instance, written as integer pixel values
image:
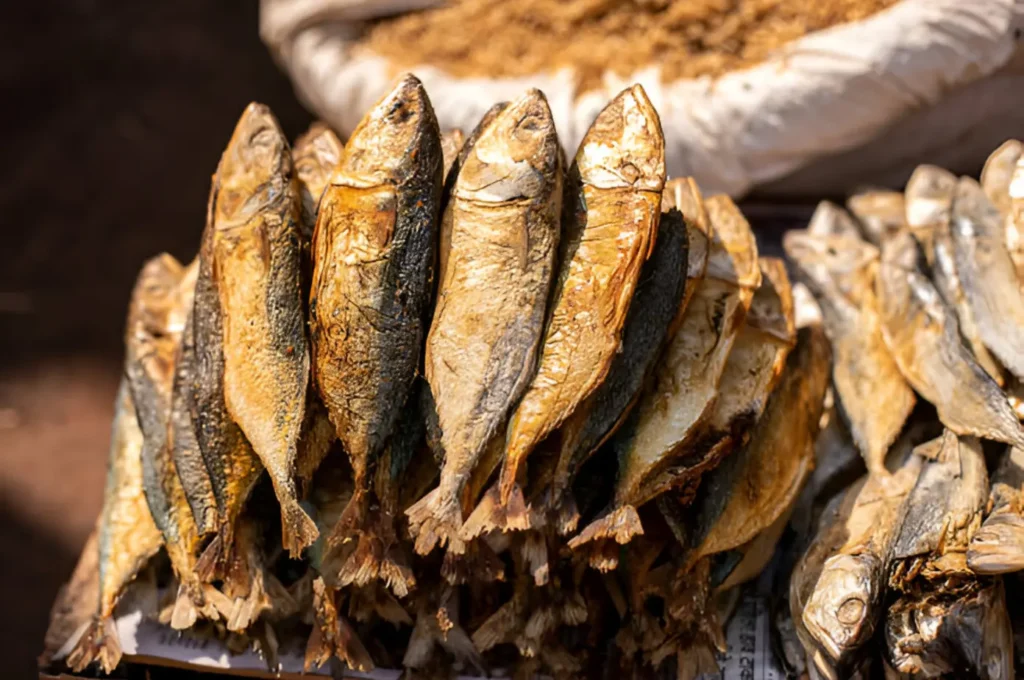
(128, 537)
(373, 253)
(924, 338)
(998, 546)
(872, 395)
(481, 350)
(615, 184)
(152, 342)
(844, 605)
(753, 487)
(256, 209)
(1002, 179)
(929, 202)
(831, 220)
(880, 213)
(654, 313)
(684, 195)
(652, 445)
(988, 275)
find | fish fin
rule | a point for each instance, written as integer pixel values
(491, 514)
(245, 610)
(998, 546)
(185, 613)
(99, 643)
(209, 566)
(396, 573)
(220, 602)
(534, 551)
(435, 523)
(332, 635)
(621, 524)
(298, 531)
(479, 563)
(377, 558)
(567, 514)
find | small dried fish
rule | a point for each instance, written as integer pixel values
(255, 206)
(668, 418)
(998, 546)
(929, 199)
(871, 394)
(831, 220)
(924, 338)
(481, 348)
(373, 254)
(127, 537)
(880, 213)
(988, 275)
(615, 184)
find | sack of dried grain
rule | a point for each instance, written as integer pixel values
(780, 96)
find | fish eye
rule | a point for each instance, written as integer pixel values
(851, 611)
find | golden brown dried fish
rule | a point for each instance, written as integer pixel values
(924, 338)
(255, 205)
(880, 213)
(871, 393)
(452, 142)
(127, 537)
(669, 416)
(998, 546)
(988, 275)
(315, 155)
(831, 220)
(373, 254)
(480, 355)
(929, 200)
(1002, 179)
(615, 184)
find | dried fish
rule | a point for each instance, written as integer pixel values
(315, 155)
(924, 338)
(481, 348)
(255, 208)
(615, 184)
(998, 546)
(652, 445)
(929, 199)
(654, 314)
(880, 213)
(872, 395)
(127, 537)
(452, 142)
(373, 254)
(155, 324)
(1002, 179)
(831, 220)
(988, 275)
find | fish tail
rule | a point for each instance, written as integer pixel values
(620, 525)
(99, 643)
(363, 565)
(567, 514)
(298, 531)
(434, 521)
(332, 635)
(491, 514)
(210, 565)
(245, 610)
(998, 546)
(396, 573)
(534, 551)
(184, 614)
(508, 476)
(479, 563)
(696, 661)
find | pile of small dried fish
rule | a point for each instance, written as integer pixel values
(901, 571)
(514, 413)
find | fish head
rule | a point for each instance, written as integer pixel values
(1001, 167)
(155, 296)
(392, 131)
(316, 153)
(974, 215)
(828, 265)
(929, 197)
(733, 252)
(254, 170)
(831, 220)
(515, 157)
(840, 614)
(625, 147)
(880, 213)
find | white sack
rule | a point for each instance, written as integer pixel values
(921, 77)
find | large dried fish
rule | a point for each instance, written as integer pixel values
(127, 537)
(988, 275)
(872, 395)
(373, 254)
(1002, 178)
(929, 200)
(155, 323)
(668, 418)
(880, 213)
(255, 206)
(924, 338)
(481, 348)
(998, 546)
(615, 184)
(754, 486)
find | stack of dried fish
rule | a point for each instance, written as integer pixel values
(451, 403)
(921, 296)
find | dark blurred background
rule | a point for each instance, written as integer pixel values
(114, 115)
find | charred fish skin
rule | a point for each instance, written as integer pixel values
(988, 274)
(924, 338)
(488, 320)
(615, 184)
(128, 536)
(998, 546)
(374, 249)
(654, 310)
(872, 395)
(256, 208)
